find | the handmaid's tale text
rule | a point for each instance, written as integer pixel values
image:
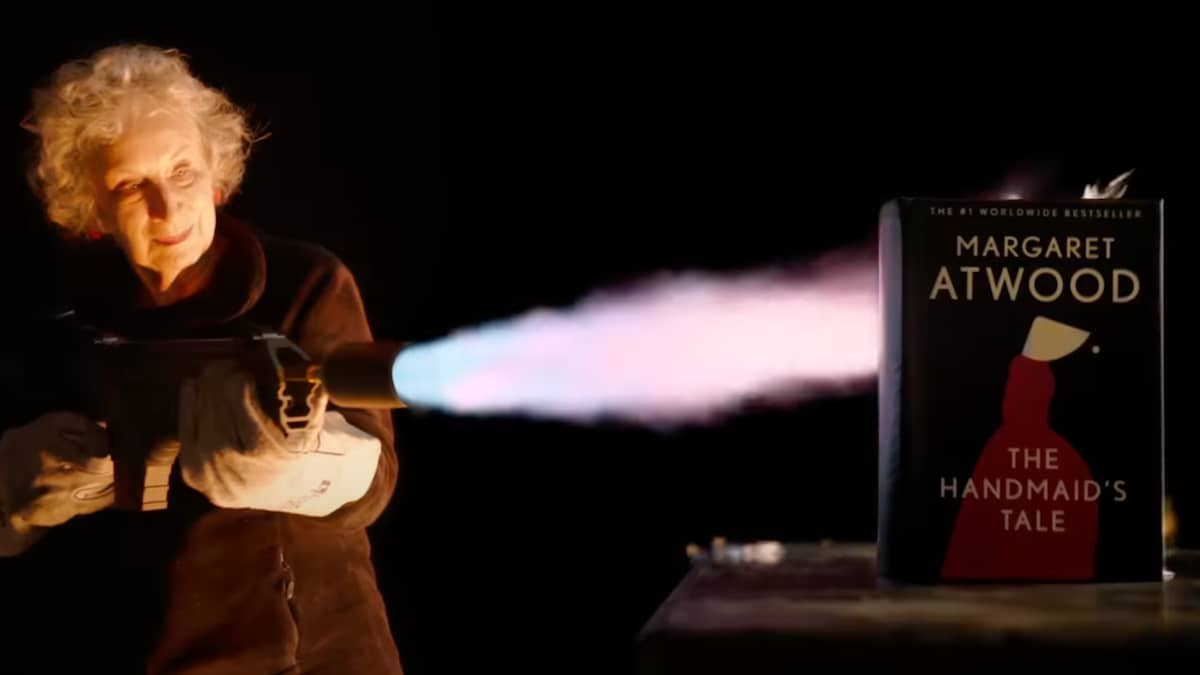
(1032, 500)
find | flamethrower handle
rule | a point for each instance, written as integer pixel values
(140, 405)
(143, 423)
(142, 463)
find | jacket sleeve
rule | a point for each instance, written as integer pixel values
(330, 312)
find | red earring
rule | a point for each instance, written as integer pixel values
(216, 196)
(94, 235)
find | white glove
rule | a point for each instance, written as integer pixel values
(238, 457)
(51, 470)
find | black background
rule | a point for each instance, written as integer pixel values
(469, 166)
(1105, 404)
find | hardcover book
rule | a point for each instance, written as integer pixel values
(1021, 391)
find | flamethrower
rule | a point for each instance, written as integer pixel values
(133, 387)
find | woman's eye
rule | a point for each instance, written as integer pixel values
(128, 188)
(182, 173)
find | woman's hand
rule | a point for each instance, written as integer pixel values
(237, 456)
(51, 470)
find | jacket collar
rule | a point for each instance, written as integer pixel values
(103, 288)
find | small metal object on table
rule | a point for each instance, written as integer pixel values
(822, 609)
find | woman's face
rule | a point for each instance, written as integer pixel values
(156, 193)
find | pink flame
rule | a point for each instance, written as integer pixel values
(678, 348)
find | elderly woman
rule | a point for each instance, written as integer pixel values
(261, 563)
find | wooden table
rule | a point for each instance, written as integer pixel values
(821, 609)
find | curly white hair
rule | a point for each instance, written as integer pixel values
(79, 109)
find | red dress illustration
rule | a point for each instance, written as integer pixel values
(1042, 524)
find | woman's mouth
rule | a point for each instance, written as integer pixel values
(173, 239)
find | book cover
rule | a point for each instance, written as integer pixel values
(1021, 391)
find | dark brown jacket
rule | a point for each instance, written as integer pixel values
(195, 589)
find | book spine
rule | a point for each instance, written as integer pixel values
(891, 384)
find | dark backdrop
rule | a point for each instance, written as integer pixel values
(471, 166)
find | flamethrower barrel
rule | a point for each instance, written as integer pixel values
(359, 375)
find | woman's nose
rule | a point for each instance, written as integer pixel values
(160, 201)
